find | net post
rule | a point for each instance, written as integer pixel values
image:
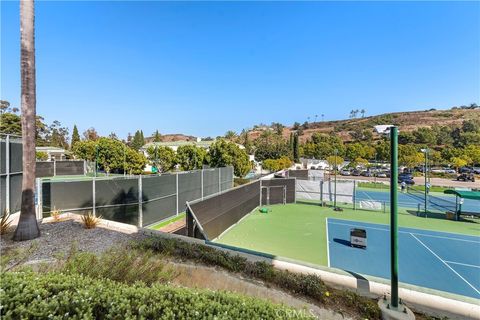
(94, 202)
(140, 202)
(7, 171)
(393, 215)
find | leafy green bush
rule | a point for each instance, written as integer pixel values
(28, 295)
(309, 286)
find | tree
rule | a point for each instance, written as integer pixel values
(27, 227)
(163, 158)
(10, 123)
(425, 136)
(224, 153)
(112, 155)
(275, 165)
(271, 146)
(57, 135)
(190, 157)
(332, 160)
(472, 125)
(157, 137)
(41, 156)
(296, 126)
(473, 152)
(138, 140)
(230, 135)
(458, 162)
(363, 113)
(91, 134)
(75, 136)
(278, 128)
(296, 149)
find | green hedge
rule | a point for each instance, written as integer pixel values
(27, 295)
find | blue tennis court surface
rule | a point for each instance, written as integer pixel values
(408, 200)
(437, 260)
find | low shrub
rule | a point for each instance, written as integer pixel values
(119, 264)
(55, 214)
(27, 295)
(310, 285)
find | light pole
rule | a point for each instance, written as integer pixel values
(335, 183)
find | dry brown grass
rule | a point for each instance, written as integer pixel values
(90, 221)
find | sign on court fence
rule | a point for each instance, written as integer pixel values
(10, 173)
(322, 191)
(138, 200)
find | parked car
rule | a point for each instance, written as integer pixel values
(345, 173)
(465, 170)
(356, 173)
(466, 177)
(366, 174)
(437, 170)
(380, 175)
(406, 177)
(476, 170)
(449, 170)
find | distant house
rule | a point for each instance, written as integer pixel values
(383, 129)
(53, 153)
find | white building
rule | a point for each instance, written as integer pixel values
(53, 153)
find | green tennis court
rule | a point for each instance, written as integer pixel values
(298, 231)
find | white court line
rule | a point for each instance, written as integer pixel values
(462, 264)
(328, 243)
(366, 193)
(443, 261)
(418, 234)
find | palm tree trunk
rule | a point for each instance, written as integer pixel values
(27, 225)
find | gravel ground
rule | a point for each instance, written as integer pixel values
(59, 237)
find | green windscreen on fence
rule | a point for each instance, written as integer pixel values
(159, 198)
(189, 188)
(212, 216)
(64, 168)
(67, 195)
(211, 181)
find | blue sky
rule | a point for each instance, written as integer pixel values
(203, 68)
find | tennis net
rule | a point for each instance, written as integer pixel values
(434, 201)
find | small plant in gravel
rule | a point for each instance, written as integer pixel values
(5, 222)
(55, 214)
(90, 221)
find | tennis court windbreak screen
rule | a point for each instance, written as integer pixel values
(209, 218)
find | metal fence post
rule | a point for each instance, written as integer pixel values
(219, 180)
(84, 167)
(176, 192)
(140, 202)
(202, 183)
(7, 171)
(321, 193)
(54, 167)
(39, 199)
(93, 199)
(354, 195)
